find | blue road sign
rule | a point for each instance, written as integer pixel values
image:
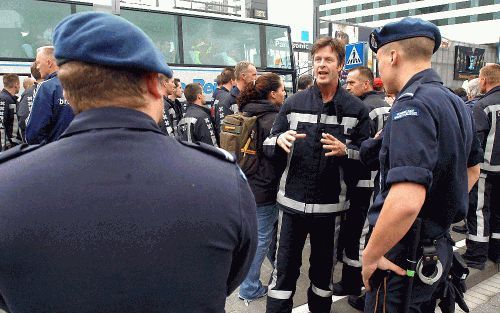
(355, 55)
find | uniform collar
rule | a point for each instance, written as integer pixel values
(110, 117)
(51, 75)
(14, 97)
(369, 93)
(493, 90)
(235, 92)
(339, 96)
(224, 88)
(426, 76)
(199, 107)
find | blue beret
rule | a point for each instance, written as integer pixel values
(106, 39)
(407, 27)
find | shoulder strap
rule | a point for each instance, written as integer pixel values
(214, 151)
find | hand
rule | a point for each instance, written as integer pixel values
(378, 133)
(285, 140)
(383, 264)
(336, 147)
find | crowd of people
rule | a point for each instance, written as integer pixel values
(116, 196)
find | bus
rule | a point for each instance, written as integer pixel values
(197, 47)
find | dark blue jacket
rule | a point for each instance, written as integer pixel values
(117, 217)
(226, 105)
(429, 140)
(313, 183)
(487, 117)
(51, 113)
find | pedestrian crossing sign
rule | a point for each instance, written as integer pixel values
(355, 55)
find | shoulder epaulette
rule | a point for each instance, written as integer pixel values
(410, 91)
(17, 151)
(214, 151)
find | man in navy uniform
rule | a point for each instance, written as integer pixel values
(99, 220)
(483, 220)
(354, 230)
(50, 114)
(428, 162)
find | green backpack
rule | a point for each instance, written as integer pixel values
(238, 136)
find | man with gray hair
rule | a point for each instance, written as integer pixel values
(473, 92)
(51, 114)
(245, 73)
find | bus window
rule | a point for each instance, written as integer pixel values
(278, 47)
(23, 30)
(218, 42)
(161, 28)
(84, 8)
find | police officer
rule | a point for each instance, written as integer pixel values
(483, 220)
(8, 106)
(103, 228)
(355, 228)
(317, 134)
(428, 162)
(245, 73)
(197, 124)
(50, 114)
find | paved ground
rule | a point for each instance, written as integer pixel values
(234, 305)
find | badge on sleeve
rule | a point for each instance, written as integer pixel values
(404, 114)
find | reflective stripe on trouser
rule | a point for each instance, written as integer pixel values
(353, 239)
(478, 219)
(323, 236)
(494, 248)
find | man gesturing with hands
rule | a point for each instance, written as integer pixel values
(316, 137)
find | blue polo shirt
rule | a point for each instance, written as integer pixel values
(429, 140)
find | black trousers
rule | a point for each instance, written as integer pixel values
(483, 219)
(353, 239)
(323, 235)
(388, 290)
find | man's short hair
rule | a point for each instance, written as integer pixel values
(417, 48)
(35, 72)
(227, 75)
(10, 80)
(492, 74)
(473, 89)
(91, 86)
(177, 82)
(460, 92)
(365, 72)
(192, 91)
(240, 68)
(48, 51)
(305, 81)
(334, 43)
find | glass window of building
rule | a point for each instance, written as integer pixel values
(27, 25)
(161, 28)
(278, 47)
(462, 19)
(205, 42)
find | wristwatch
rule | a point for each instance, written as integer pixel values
(345, 150)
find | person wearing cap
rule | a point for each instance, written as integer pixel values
(428, 162)
(109, 229)
(50, 114)
(354, 230)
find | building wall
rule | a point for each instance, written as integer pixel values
(443, 61)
